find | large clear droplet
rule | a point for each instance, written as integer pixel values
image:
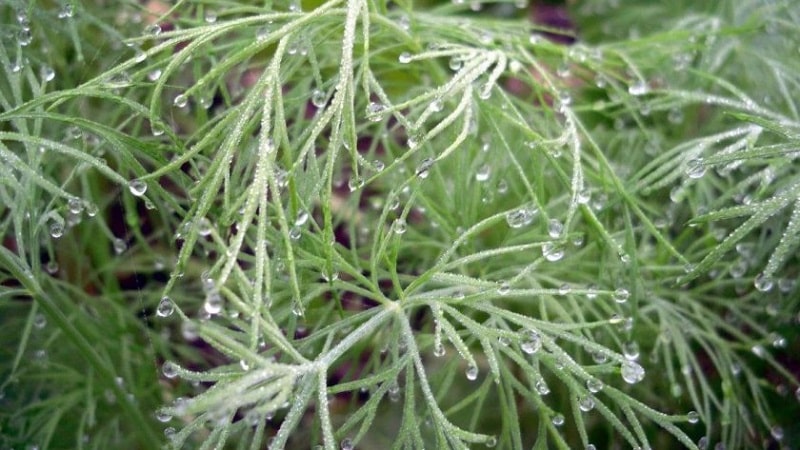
(552, 252)
(213, 303)
(137, 187)
(56, 229)
(375, 111)
(621, 295)
(424, 167)
(180, 101)
(483, 173)
(632, 372)
(520, 217)
(555, 228)
(531, 342)
(586, 403)
(638, 88)
(764, 283)
(318, 98)
(165, 307)
(404, 58)
(472, 372)
(594, 385)
(169, 369)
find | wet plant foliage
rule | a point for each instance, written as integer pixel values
(358, 224)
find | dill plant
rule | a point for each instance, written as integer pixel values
(353, 224)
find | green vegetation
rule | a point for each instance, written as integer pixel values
(355, 224)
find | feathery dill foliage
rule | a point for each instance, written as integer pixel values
(360, 225)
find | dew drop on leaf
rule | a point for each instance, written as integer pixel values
(399, 226)
(621, 295)
(472, 372)
(632, 372)
(555, 228)
(180, 100)
(693, 417)
(531, 342)
(318, 98)
(119, 245)
(375, 111)
(137, 187)
(764, 283)
(165, 307)
(638, 88)
(558, 420)
(169, 369)
(56, 229)
(586, 403)
(594, 385)
(404, 58)
(153, 30)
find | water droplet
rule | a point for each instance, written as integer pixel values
(295, 7)
(404, 58)
(137, 187)
(210, 17)
(153, 30)
(693, 417)
(502, 187)
(695, 168)
(632, 372)
(346, 444)
(319, 98)
(204, 227)
(621, 295)
(638, 88)
(213, 303)
(24, 37)
(776, 432)
(375, 111)
(631, 350)
(472, 372)
(521, 217)
(456, 63)
(438, 350)
(586, 403)
(531, 342)
(399, 226)
(764, 283)
(759, 350)
(163, 416)
(355, 183)
(541, 387)
(564, 289)
(165, 307)
(66, 11)
(244, 364)
(490, 442)
(555, 228)
(295, 233)
(119, 245)
(169, 369)
(504, 288)
(558, 420)
(483, 173)
(39, 321)
(675, 116)
(75, 205)
(593, 384)
(552, 252)
(180, 101)
(56, 229)
(423, 169)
